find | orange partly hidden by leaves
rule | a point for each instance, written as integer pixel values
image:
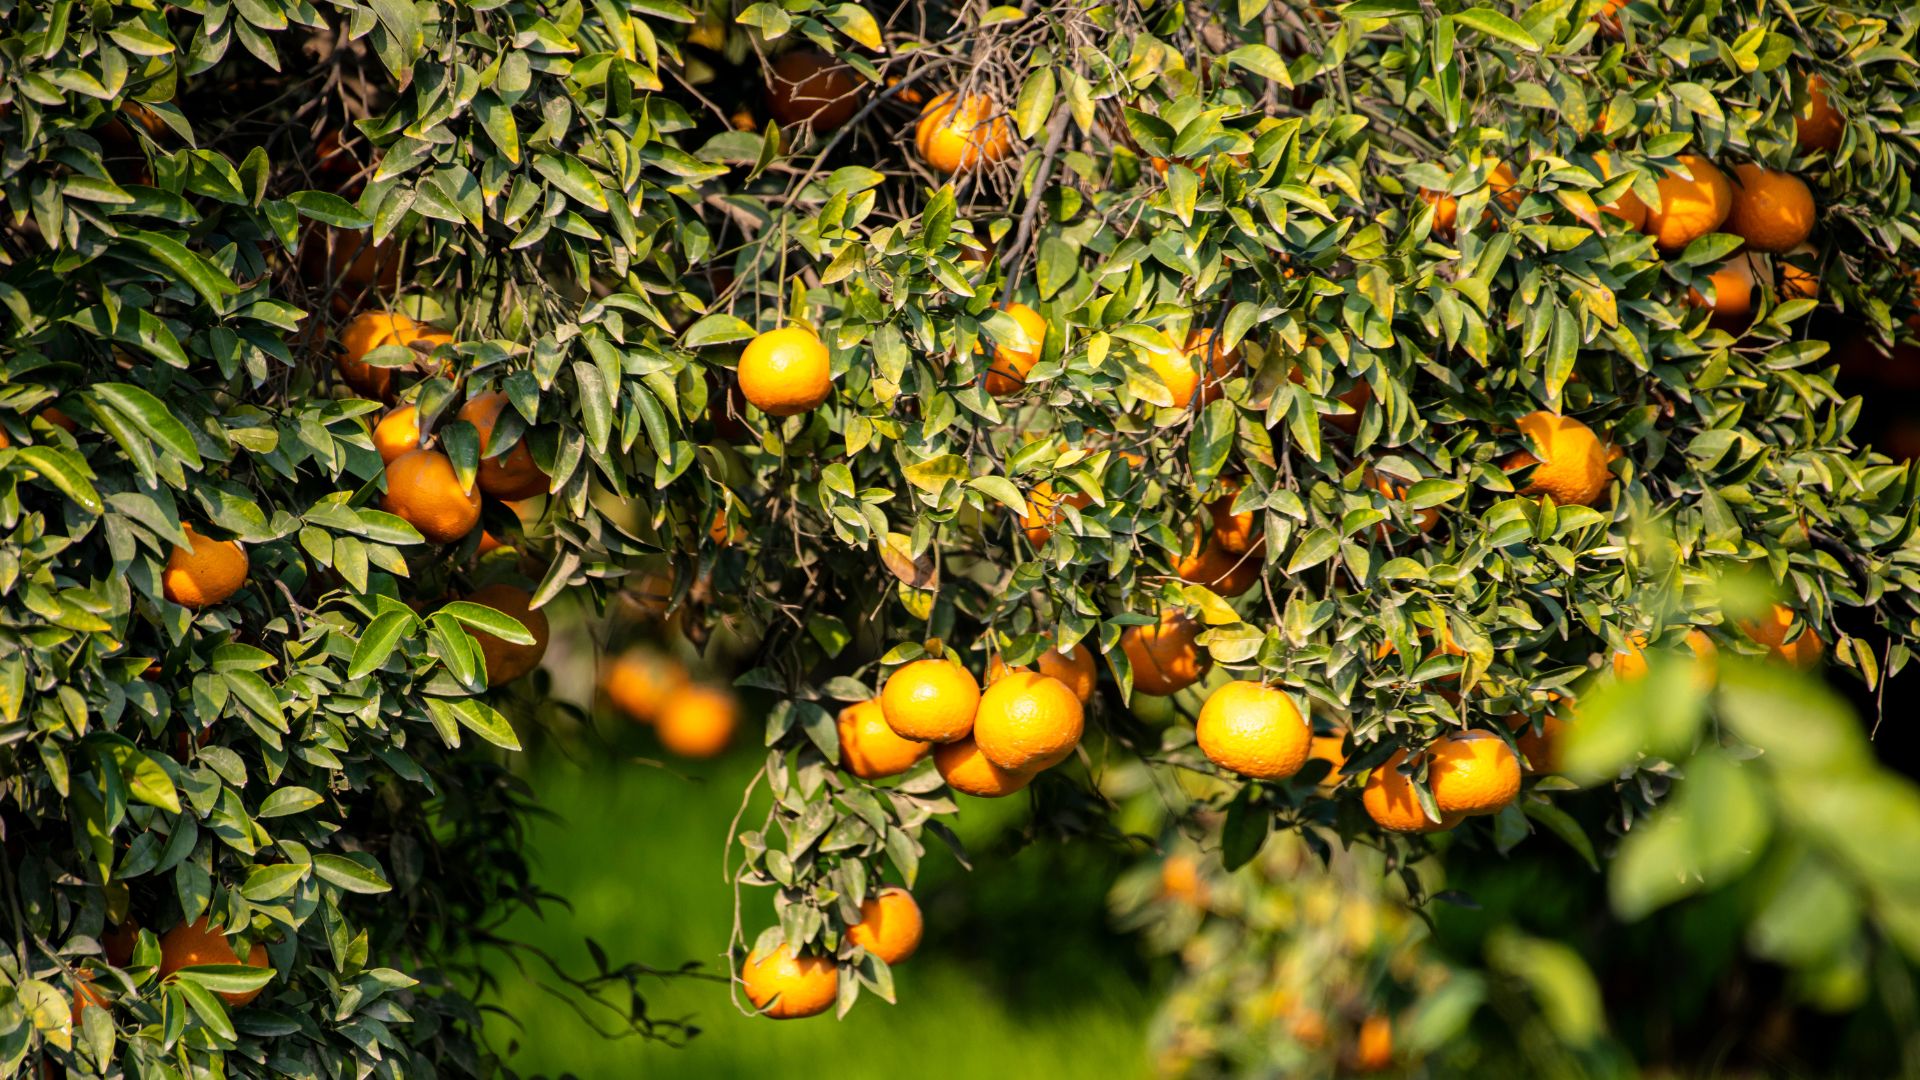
(1628, 208)
(957, 135)
(194, 945)
(967, 770)
(1539, 750)
(1771, 630)
(1631, 662)
(1472, 772)
(1817, 125)
(811, 89)
(785, 987)
(1163, 655)
(1332, 750)
(1254, 730)
(1446, 208)
(423, 490)
(1198, 369)
(507, 661)
(1075, 667)
(1569, 461)
(1690, 208)
(1425, 519)
(931, 700)
(1772, 210)
(511, 475)
(397, 433)
(1235, 533)
(889, 926)
(1390, 801)
(869, 748)
(370, 330)
(1014, 358)
(785, 372)
(204, 571)
(1027, 722)
(1733, 293)
(697, 721)
(1044, 510)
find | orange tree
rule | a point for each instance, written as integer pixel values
(1396, 359)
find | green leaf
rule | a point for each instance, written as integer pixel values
(266, 883)
(480, 617)
(287, 801)
(330, 209)
(1245, 830)
(1035, 104)
(64, 471)
(207, 280)
(483, 720)
(1318, 546)
(1263, 62)
(716, 329)
(354, 874)
(378, 641)
(1495, 25)
(154, 419)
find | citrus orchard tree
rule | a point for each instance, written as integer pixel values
(1403, 368)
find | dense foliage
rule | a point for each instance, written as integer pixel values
(1228, 220)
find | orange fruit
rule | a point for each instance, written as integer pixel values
(785, 987)
(1817, 125)
(423, 491)
(349, 265)
(85, 996)
(1425, 519)
(638, 683)
(52, 415)
(956, 135)
(697, 721)
(1234, 533)
(1226, 574)
(505, 660)
(1044, 511)
(785, 372)
(1447, 208)
(1631, 663)
(1389, 800)
(1027, 722)
(1221, 363)
(1472, 772)
(1629, 208)
(1771, 631)
(1772, 210)
(1569, 461)
(1733, 293)
(1253, 730)
(118, 942)
(931, 700)
(869, 748)
(195, 945)
(1163, 655)
(1690, 208)
(1332, 750)
(889, 926)
(397, 433)
(1539, 750)
(966, 769)
(1373, 1049)
(1184, 372)
(1076, 668)
(370, 330)
(204, 572)
(511, 475)
(1180, 880)
(1798, 275)
(810, 89)
(1013, 359)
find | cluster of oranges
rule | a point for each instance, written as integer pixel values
(188, 945)
(693, 719)
(784, 986)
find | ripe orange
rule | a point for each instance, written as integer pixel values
(1772, 210)
(1180, 880)
(423, 491)
(1373, 1049)
(1629, 208)
(1425, 519)
(786, 372)
(1254, 730)
(1771, 631)
(1013, 359)
(85, 996)
(1569, 461)
(1690, 208)
(1539, 750)
(810, 89)
(505, 660)
(1226, 574)
(931, 701)
(1389, 800)
(1817, 125)
(1472, 772)
(1798, 274)
(1163, 655)
(957, 135)
(784, 987)
(638, 683)
(697, 721)
(1186, 374)
(869, 748)
(511, 475)
(1027, 722)
(195, 944)
(1076, 668)
(1044, 511)
(52, 415)
(889, 926)
(1332, 750)
(370, 330)
(397, 433)
(1631, 663)
(1446, 208)
(1733, 293)
(204, 572)
(966, 769)
(1234, 533)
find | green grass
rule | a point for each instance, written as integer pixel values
(1018, 975)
